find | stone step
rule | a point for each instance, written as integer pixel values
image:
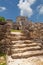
(26, 48)
(27, 54)
(16, 37)
(16, 33)
(23, 46)
(22, 41)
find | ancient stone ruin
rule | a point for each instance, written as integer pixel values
(30, 31)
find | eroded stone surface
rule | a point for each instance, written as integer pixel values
(28, 61)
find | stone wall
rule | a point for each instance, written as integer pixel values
(35, 30)
(4, 32)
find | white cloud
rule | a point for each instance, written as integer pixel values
(25, 7)
(40, 9)
(31, 1)
(2, 9)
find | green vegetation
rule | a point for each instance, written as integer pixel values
(2, 61)
(2, 19)
(2, 54)
(12, 30)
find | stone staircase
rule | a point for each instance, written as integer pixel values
(21, 47)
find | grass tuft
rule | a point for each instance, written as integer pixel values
(12, 30)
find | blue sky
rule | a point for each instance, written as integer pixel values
(33, 9)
